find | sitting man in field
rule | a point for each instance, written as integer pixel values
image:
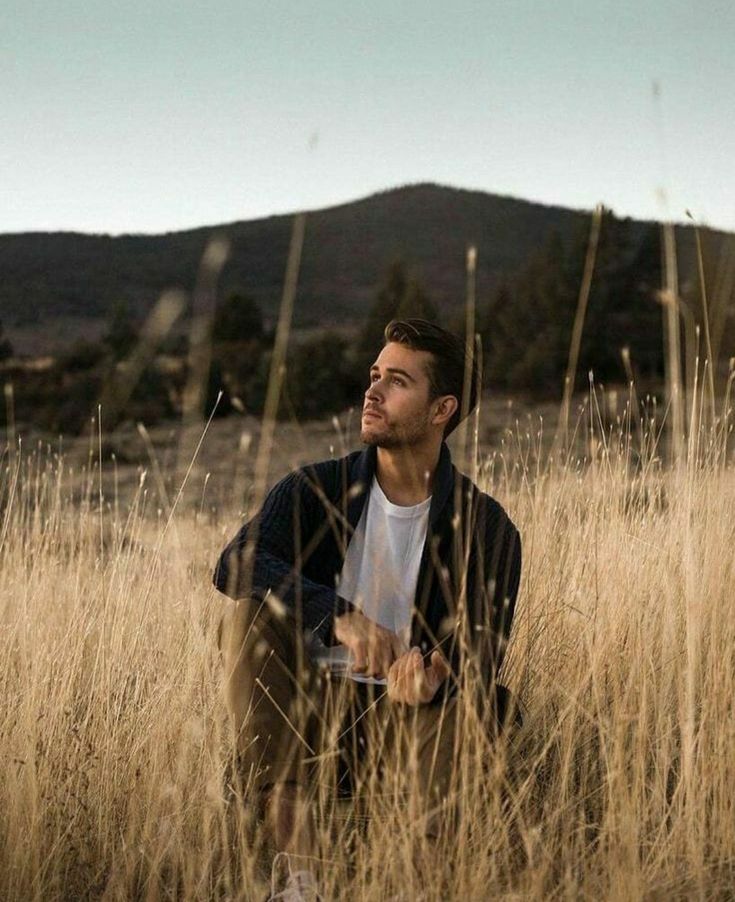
(372, 592)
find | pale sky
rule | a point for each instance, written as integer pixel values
(146, 117)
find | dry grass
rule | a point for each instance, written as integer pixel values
(620, 785)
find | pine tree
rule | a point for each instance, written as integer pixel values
(527, 326)
(623, 310)
(399, 297)
(525, 329)
(319, 380)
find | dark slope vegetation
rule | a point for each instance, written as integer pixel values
(347, 249)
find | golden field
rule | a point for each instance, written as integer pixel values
(621, 784)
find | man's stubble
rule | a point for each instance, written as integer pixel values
(412, 432)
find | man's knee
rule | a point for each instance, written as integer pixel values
(243, 653)
(227, 630)
(269, 690)
(242, 633)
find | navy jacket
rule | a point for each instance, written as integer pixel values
(469, 572)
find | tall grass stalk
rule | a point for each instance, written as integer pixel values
(705, 319)
(672, 343)
(578, 326)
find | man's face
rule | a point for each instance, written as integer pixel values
(396, 410)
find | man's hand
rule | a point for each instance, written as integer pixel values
(412, 683)
(374, 648)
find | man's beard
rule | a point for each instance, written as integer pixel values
(392, 436)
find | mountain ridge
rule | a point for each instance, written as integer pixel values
(289, 214)
(50, 275)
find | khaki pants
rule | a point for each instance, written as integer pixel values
(295, 723)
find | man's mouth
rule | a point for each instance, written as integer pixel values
(369, 412)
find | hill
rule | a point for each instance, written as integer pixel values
(78, 278)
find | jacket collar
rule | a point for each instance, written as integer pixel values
(363, 470)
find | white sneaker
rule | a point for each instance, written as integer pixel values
(299, 886)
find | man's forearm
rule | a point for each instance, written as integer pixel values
(315, 604)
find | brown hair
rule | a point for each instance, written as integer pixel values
(446, 370)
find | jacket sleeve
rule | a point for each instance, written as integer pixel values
(502, 580)
(266, 554)
(493, 579)
(492, 582)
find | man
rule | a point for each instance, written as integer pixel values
(372, 592)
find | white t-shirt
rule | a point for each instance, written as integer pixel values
(381, 568)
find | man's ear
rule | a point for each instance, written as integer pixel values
(445, 408)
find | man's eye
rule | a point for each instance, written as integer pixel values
(398, 381)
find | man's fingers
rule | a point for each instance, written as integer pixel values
(419, 683)
(440, 666)
(398, 649)
(359, 656)
(403, 676)
(387, 655)
(412, 683)
(436, 673)
(393, 672)
(374, 658)
(373, 647)
(389, 650)
(377, 654)
(387, 661)
(384, 652)
(397, 674)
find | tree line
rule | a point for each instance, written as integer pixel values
(525, 326)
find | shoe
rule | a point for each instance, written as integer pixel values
(299, 885)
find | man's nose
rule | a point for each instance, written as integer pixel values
(373, 390)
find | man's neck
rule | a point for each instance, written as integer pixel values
(406, 475)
